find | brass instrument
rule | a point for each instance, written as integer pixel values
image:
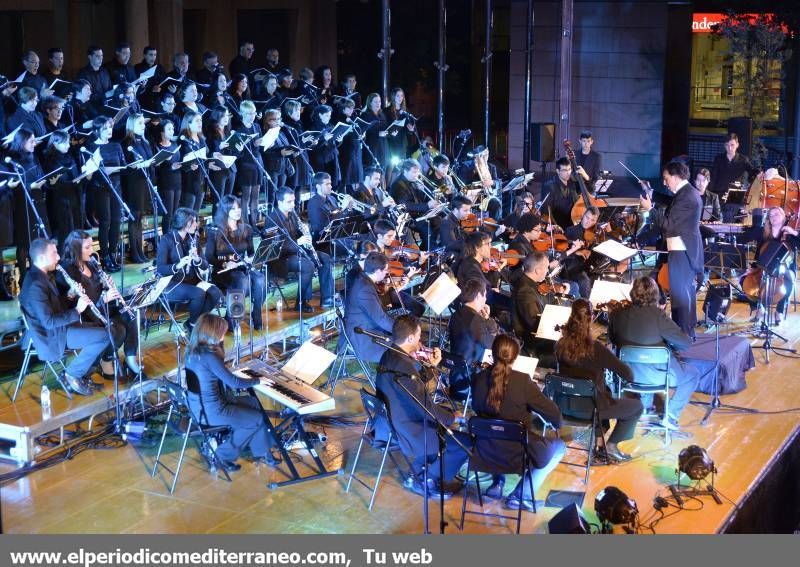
(310, 247)
(357, 205)
(78, 290)
(108, 283)
(457, 182)
(482, 169)
(439, 189)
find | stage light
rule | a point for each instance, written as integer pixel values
(614, 507)
(695, 463)
(395, 160)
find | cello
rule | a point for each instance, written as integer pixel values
(587, 200)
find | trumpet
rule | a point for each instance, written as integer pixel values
(78, 290)
(108, 283)
(341, 198)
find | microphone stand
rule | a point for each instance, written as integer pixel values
(361, 135)
(194, 146)
(265, 176)
(41, 230)
(125, 214)
(302, 252)
(155, 197)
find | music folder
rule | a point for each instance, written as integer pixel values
(441, 293)
(553, 316)
(162, 156)
(55, 173)
(395, 127)
(525, 364)
(341, 129)
(309, 362)
(604, 291)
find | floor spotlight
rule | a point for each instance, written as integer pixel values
(614, 507)
(695, 463)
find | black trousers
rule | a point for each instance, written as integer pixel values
(25, 227)
(249, 430)
(136, 196)
(682, 291)
(64, 207)
(200, 301)
(107, 209)
(627, 412)
(192, 190)
(453, 458)
(172, 198)
(305, 269)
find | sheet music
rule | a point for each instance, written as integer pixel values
(525, 364)
(153, 295)
(605, 291)
(602, 185)
(441, 293)
(269, 138)
(197, 154)
(614, 250)
(309, 362)
(552, 316)
(147, 75)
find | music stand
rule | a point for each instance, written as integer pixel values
(340, 230)
(269, 250)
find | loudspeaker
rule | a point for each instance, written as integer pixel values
(234, 303)
(743, 127)
(568, 521)
(543, 141)
(717, 302)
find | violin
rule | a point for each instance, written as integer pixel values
(493, 263)
(613, 305)
(396, 248)
(556, 241)
(473, 222)
(550, 288)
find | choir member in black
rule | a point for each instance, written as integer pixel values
(643, 324)
(350, 158)
(472, 331)
(408, 190)
(775, 229)
(123, 97)
(97, 76)
(416, 431)
(589, 161)
(55, 66)
(83, 111)
(230, 245)
(150, 91)
(680, 228)
(120, 69)
(192, 140)
(347, 89)
(168, 173)
(451, 234)
(560, 193)
(106, 205)
(180, 69)
(167, 105)
(365, 308)
(294, 129)
(581, 356)
(710, 200)
(274, 64)
(218, 93)
(188, 100)
(398, 143)
(63, 198)
(7, 190)
(243, 62)
(500, 392)
(248, 177)
(367, 190)
(375, 134)
(21, 151)
(308, 93)
(52, 109)
(272, 98)
(730, 167)
(324, 156)
(82, 267)
(239, 90)
(292, 259)
(26, 115)
(217, 129)
(137, 192)
(206, 75)
(285, 83)
(323, 207)
(528, 305)
(178, 257)
(243, 413)
(33, 79)
(277, 158)
(323, 78)
(54, 324)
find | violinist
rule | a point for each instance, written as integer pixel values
(407, 190)
(560, 193)
(586, 231)
(523, 204)
(400, 256)
(477, 252)
(450, 232)
(365, 309)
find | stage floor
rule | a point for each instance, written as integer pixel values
(110, 491)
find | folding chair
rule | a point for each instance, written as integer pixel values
(657, 356)
(30, 351)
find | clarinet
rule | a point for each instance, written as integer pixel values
(77, 289)
(109, 284)
(310, 248)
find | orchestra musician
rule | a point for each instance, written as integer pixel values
(367, 191)
(589, 161)
(472, 331)
(644, 324)
(296, 255)
(523, 204)
(365, 309)
(230, 250)
(702, 180)
(530, 230)
(477, 251)
(81, 266)
(560, 193)
(451, 235)
(243, 413)
(323, 207)
(680, 228)
(581, 356)
(500, 392)
(54, 325)
(399, 371)
(478, 169)
(177, 256)
(407, 190)
(574, 264)
(440, 175)
(729, 168)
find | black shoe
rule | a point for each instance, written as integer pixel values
(77, 385)
(110, 265)
(600, 457)
(495, 491)
(416, 486)
(230, 466)
(257, 323)
(618, 455)
(306, 307)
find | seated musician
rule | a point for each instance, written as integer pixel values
(644, 324)
(367, 191)
(82, 266)
(560, 193)
(408, 190)
(523, 205)
(206, 358)
(439, 173)
(177, 256)
(365, 308)
(472, 331)
(298, 254)
(776, 229)
(323, 207)
(575, 265)
(710, 200)
(230, 249)
(477, 169)
(451, 235)
(504, 393)
(477, 252)
(581, 356)
(528, 305)
(54, 326)
(399, 370)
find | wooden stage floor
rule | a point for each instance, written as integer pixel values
(110, 491)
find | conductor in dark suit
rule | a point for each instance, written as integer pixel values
(52, 325)
(416, 431)
(365, 310)
(644, 324)
(680, 227)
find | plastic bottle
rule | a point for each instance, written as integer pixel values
(279, 306)
(45, 400)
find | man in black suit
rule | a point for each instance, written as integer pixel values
(120, 69)
(365, 309)
(730, 167)
(53, 326)
(97, 76)
(25, 115)
(406, 190)
(560, 193)
(366, 191)
(451, 234)
(588, 160)
(680, 227)
(323, 207)
(399, 378)
(644, 324)
(243, 62)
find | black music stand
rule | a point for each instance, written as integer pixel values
(269, 250)
(340, 230)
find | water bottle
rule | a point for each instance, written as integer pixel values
(279, 306)
(45, 400)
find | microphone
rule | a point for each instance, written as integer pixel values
(374, 336)
(11, 161)
(85, 151)
(136, 155)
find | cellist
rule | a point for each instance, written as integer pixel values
(560, 193)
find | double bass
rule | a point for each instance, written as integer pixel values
(586, 201)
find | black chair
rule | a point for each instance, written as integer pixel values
(658, 357)
(377, 416)
(30, 352)
(492, 431)
(187, 423)
(577, 400)
(345, 352)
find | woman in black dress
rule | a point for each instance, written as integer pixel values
(217, 129)
(323, 79)
(239, 90)
(168, 173)
(63, 198)
(375, 135)
(192, 140)
(324, 155)
(302, 166)
(278, 158)
(398, 144)
(137, 191)
(350, 148)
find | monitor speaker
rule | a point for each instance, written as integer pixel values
(543, 140)
(570, 520)
(234, 303)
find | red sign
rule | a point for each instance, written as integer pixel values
(704, 22)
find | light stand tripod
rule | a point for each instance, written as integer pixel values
(767, 289)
